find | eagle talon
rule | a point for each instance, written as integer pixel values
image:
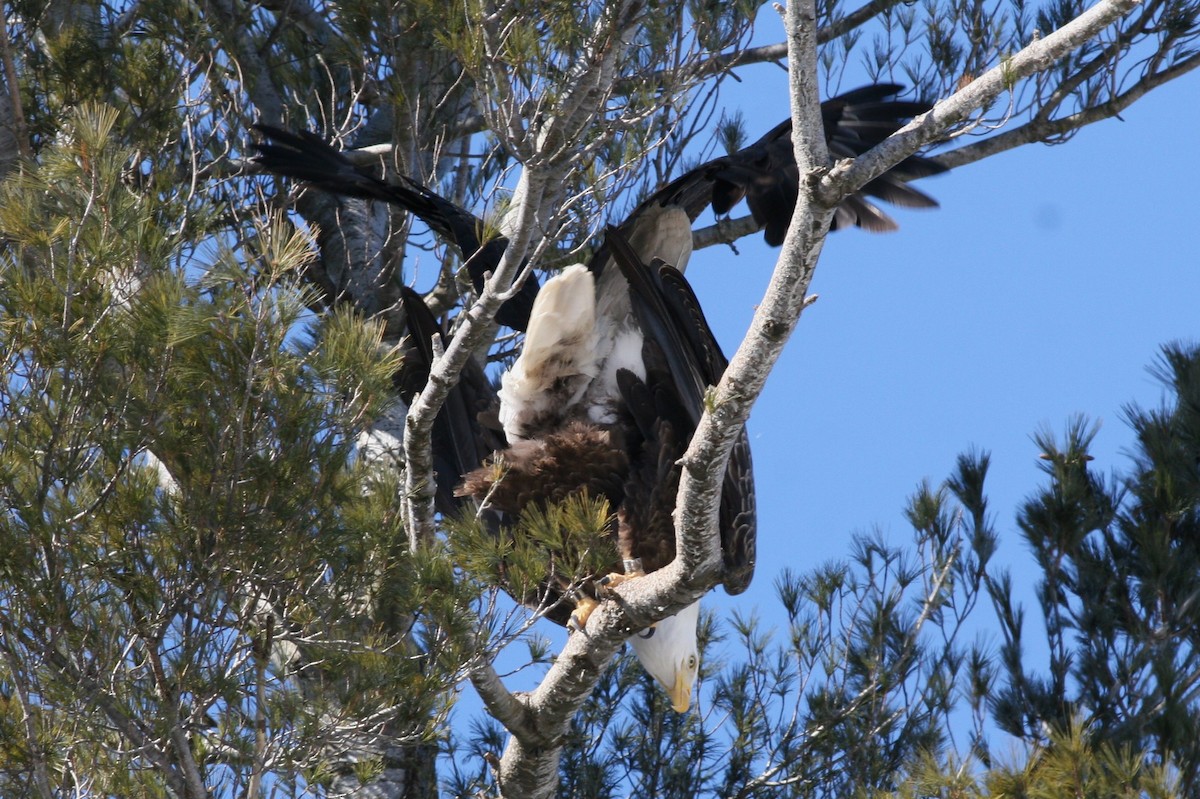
(610, 581)
(583, 611)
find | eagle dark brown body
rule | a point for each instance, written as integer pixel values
(614, 379)
(582, 458)
(650, 402)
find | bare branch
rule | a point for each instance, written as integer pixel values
(529, 767)
(725, 231)
(12, 94)
(729, 403)
(775, 53)
(446, 370)
(956, 110)
(33, 737)
(1040, 130)
(854, 19)
(501, 703)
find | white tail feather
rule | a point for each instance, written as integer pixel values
(558, 359)
(563, 313)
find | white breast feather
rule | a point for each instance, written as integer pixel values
(625, 352)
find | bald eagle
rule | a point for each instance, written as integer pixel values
(608, 389)
(609, 384)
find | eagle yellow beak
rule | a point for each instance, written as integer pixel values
(681, 691)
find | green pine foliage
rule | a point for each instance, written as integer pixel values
(184, 520)
(1119, 560)
(873, 688)
(204, 590)
(576, 530)
(863, 681)
(1072, 762)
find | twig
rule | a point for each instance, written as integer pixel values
(14, 90)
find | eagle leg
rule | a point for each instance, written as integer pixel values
(584, 605)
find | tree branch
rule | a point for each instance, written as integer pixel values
(776, 317)
(854, 19)
(502, 704)
(444, 372)
(528, 766)
(778, 314)
(548, 150)
(13, 95)
(954, 111)
(774, 53)
(1039, 130)
(725, 230)
(33, 737)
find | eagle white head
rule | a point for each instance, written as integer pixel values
(668, 650)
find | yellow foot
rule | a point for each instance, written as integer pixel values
(583, 609)
(633, 570)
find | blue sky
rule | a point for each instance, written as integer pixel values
(1043, 287)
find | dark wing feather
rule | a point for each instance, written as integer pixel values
(739, 524)
(306, 156)
(764, 173)
(659, 436)
(737, 517)
(682, 360)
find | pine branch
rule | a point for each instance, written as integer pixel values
(12, 94)
(446, 369)
(776, 317)
(855, 19)
(775, 53)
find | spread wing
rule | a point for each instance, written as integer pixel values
(682, 359)
(306, 156)
(680, 355)
(765, 174)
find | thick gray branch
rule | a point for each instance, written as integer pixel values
(529, 764)
(502, 704)
(529, 768)
(445, 370)
(776, 317)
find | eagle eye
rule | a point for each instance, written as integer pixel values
(647, 633)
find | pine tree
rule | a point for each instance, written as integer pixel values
(185, 519)
(1118, 562)
(215, 579)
